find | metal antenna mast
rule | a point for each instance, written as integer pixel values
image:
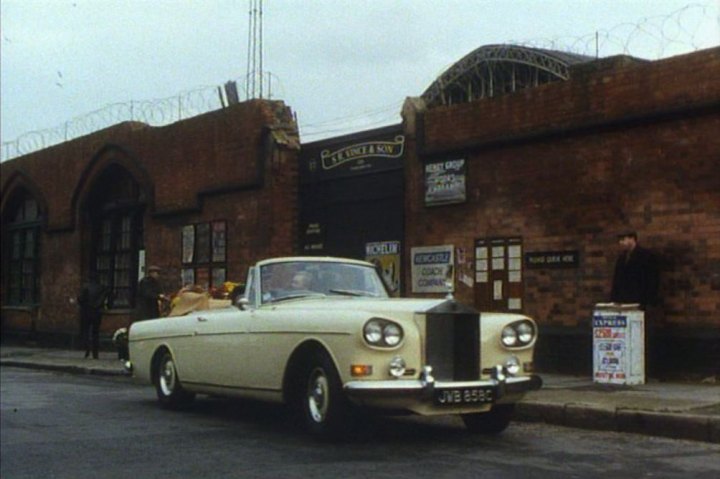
(254, 77)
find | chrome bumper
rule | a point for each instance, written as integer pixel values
(424, 387)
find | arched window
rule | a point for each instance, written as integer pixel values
(116, 219)
(21, 248)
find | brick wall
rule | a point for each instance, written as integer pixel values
(238, 164)
(567, 166)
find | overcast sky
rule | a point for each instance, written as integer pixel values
(340, 64)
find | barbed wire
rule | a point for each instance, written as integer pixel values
(678, 32)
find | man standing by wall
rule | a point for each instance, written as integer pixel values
(636, 280)
(148, 295)
(91, 300)
(636, 275)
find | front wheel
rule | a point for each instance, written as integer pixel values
(494, 421)
(325, 409)
(170, 392)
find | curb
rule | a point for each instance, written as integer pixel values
(672, 425)
(64, 368)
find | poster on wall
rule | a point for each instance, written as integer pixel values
(432, 266)
(218, 241)
(445, 182)
(202, 243)
(188, 276)
(202, 278)
(188, 243)
(218, 277)
(386, 256)
(141, 264)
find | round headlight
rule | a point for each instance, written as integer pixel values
(525, 332)
(509, 336)
(373, 332)
(392, 334)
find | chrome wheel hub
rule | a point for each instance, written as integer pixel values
(167, 378)
(317, 396)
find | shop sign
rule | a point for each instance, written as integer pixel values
(552, 259)
(445, 182)
(432, 266)
(360, 157)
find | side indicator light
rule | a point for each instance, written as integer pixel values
(360, 370)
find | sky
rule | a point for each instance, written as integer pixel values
(341, 65)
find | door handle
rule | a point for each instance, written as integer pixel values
(201, 319)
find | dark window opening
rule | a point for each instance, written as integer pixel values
(21, 251)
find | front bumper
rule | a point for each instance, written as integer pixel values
(424, 388)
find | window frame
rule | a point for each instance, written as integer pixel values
(204, 258)
(115, 246)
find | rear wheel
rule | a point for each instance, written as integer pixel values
(494, 421)
(170, 392)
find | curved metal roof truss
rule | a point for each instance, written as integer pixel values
(497, 70)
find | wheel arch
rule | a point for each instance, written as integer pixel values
(292, 379)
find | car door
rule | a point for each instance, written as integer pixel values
(217, 351)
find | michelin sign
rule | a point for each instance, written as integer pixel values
(430, 268)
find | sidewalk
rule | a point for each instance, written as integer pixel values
(676, 410)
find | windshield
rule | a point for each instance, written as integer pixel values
(297, 279)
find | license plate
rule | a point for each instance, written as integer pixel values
(460, 396)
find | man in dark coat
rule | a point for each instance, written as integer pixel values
(92, 300)
(636, 274)
(148, 294)
(636, 280)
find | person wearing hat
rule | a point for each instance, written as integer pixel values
(148, 294)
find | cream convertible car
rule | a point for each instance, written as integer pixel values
(322, 335)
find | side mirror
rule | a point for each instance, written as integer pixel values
(242, 303)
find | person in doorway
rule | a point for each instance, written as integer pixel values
(148, 294)
(636, 276)
(92, 300)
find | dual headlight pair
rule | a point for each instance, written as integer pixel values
(382, 333)
(518, 334)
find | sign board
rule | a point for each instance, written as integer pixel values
(445, 182)
(431, 266)
(552, 259)
(386, 256)
(312, 237)
(361, 154)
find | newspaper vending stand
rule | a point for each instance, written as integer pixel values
(618, 344)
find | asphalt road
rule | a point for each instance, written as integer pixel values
(63, 426)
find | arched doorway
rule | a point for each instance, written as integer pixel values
(113, 213)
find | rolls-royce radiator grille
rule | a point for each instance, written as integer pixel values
(453, 345)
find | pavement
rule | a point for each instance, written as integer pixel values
(680, 410)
